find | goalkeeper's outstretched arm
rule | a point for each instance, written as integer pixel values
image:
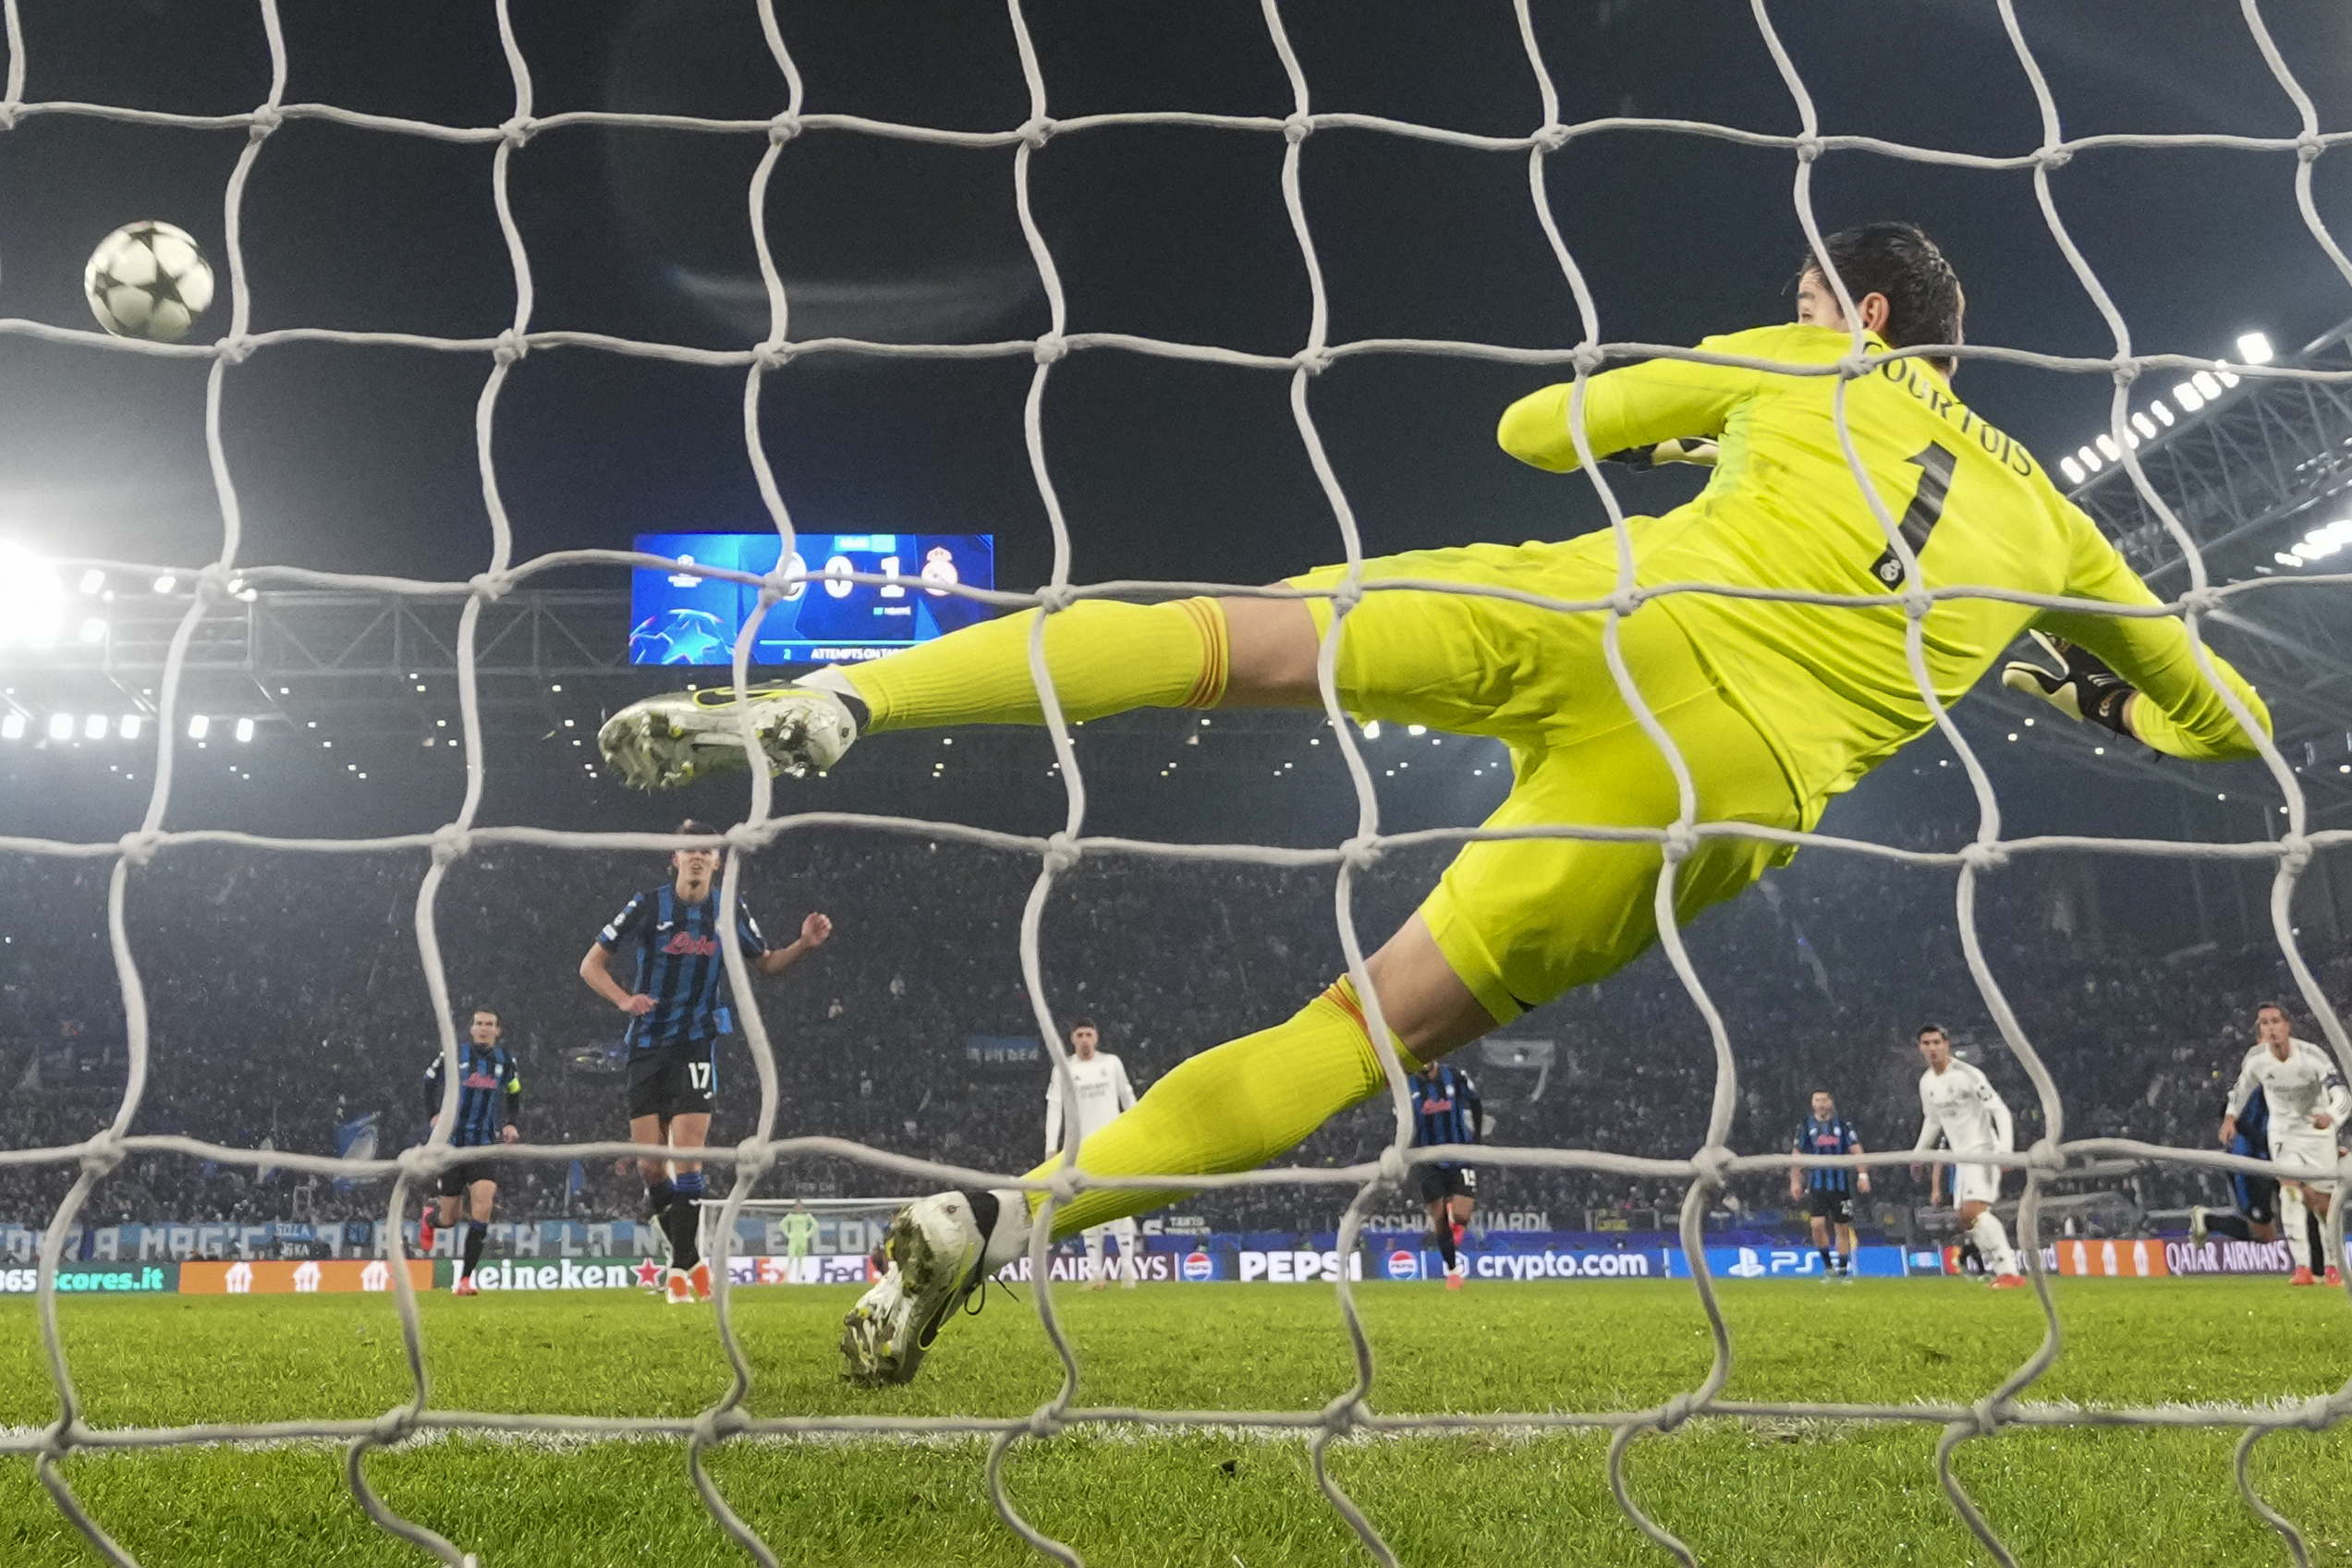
(2136, 675)
(1660, 411)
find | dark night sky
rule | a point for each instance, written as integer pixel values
(362, 460)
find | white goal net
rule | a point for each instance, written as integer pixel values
(1363, 1186)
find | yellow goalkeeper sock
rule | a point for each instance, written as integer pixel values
(1233, 1108)
(1105, 657)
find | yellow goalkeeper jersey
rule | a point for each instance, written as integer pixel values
(1831, 688)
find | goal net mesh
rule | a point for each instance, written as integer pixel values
(1705, 1168)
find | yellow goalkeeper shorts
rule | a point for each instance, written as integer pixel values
(1523, 921)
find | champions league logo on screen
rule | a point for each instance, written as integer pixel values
(679, 616)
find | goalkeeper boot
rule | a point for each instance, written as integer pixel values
(668, 741)
(936, 1247)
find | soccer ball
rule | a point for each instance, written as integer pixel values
(148, 280)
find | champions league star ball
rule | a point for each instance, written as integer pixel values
(148, 280)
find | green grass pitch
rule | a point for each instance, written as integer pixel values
(1790, 1492)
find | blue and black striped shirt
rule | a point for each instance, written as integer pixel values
(678, 964)
(1446, 1108)
(490, 1093)
(1835, 1135)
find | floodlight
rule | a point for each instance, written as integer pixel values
(2090, 459)
(2107, 444)
(2072, 469)
(93, 629)
(2283, 559)
(245, 729)
(94, 727)
(2254, 347)
(199, 726)
(32, 599)
(2164, 415)
(1372, 730)
(2144, 425)
(165, 583)
(61, 726)
(2225, 378)
(2188, 397)
(12, 727)
(92, 582)
(2203, 381)
(128, 729)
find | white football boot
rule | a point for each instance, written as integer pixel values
(940, 1251)
(664, 742)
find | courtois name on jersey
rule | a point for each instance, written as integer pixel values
(678, 964)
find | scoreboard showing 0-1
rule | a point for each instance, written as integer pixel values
(676, 617)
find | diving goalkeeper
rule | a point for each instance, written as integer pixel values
(1775, 706)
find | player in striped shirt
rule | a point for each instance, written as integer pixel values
(1446, 1110)
(490, 1103)
(679, 1006)
(1828, 1190)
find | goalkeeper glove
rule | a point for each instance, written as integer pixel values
(2084, 688)
(1698, 451)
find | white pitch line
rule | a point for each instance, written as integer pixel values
(1821, 1428)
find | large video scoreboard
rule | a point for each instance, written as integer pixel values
(676, 617)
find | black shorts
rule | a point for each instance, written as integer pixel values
(1837, 1207)
(1439, 1183)
(2257, 1199)
(673, 1080)
(457, 1180)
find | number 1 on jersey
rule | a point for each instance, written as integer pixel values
(1936, 463)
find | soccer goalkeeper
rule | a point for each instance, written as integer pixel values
(1775, 706)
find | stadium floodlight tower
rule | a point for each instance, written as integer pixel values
(2258, 470)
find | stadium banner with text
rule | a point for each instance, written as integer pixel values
(143, 1279)
(2221, 1255)
(1792, 1260)
(311, 1276)
(568, 1273)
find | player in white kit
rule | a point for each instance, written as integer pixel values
(1957, 1105)
(2308, 1103)
(1100, 1080)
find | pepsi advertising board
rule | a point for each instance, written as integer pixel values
(678, 618)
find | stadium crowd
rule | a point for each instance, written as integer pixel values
(288, 1000)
